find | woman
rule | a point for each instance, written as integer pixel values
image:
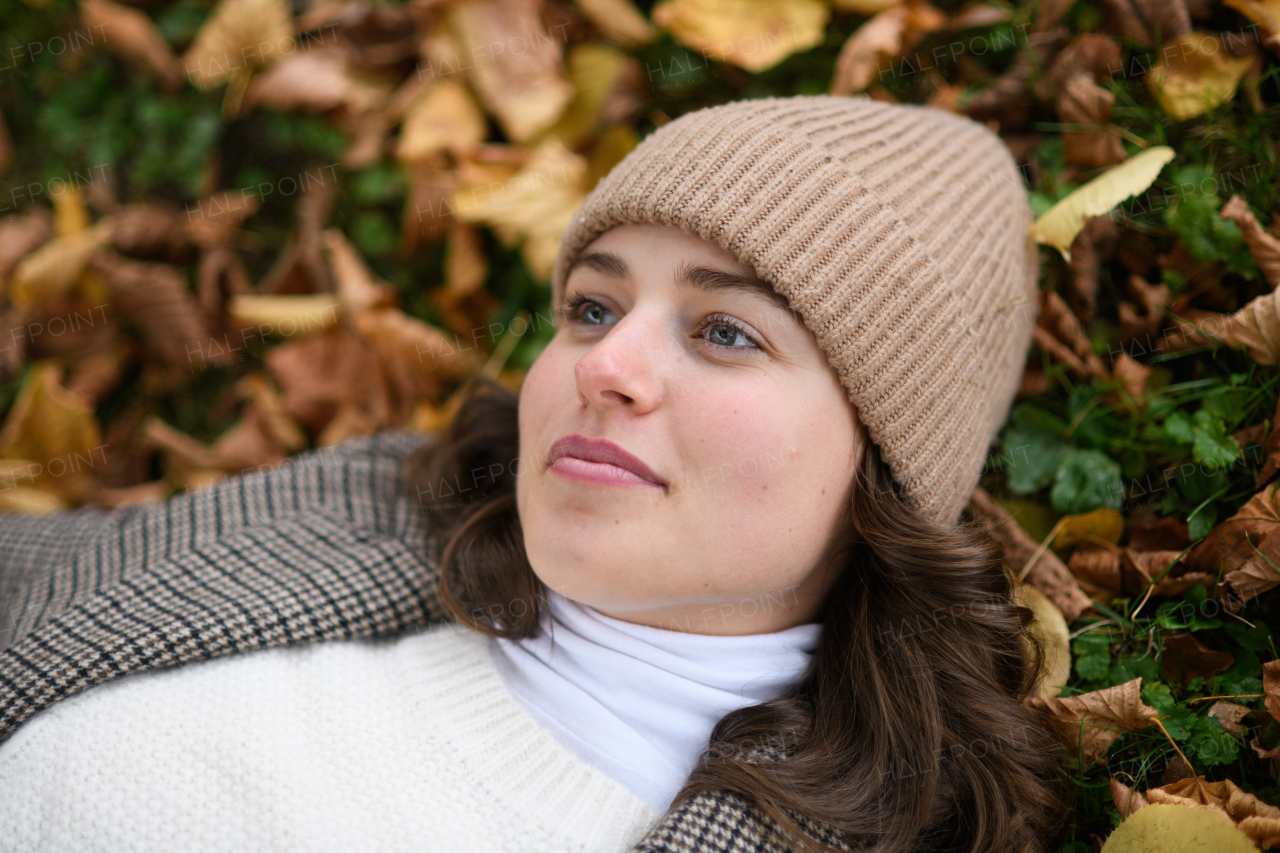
(702, 584)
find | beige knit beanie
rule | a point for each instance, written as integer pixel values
(899, 234)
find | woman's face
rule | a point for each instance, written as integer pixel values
(751, 443)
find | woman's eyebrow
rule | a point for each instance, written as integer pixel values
(690, 276)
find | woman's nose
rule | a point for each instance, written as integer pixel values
(624, 365)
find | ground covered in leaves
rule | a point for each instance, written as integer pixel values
(234, 230)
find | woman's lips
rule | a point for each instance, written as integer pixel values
(597, 460)
(601, 473)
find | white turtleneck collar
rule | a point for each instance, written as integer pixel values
(637, 702)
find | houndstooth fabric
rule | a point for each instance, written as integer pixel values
(330, 545)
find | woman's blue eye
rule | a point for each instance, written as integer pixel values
(725, 331)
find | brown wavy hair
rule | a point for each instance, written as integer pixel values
(907, 732)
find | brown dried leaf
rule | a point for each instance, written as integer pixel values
(1134, 374)
(245, 446)
(1130, 570)
(92, 377)
(1048, 574)
(358, 289)
(1083, 101)
(1186, 658)
(1010, 97)
(1091, 721)
(406, 340)
(154, 298)
(1094, 54)
(618, 20)
(268, 406)
(134, 37)
(876, 42)
(1264, 247)
(1229, 714)
(1272, 754)
(347, 423)
(444, 118)
(321, 374)
(221, 275)
(216, 219)
(1056, 317)
(318, 80)
(1139, 568)
(1231, 545)
(152, 230)
(1166, 534)
(465, 266)
(1271, 451)
(1265, 13)
(1271, 688)
(525, 92)
(379, 35)
(1142, 20)
(239, 37)
(428, 210)
(1126, 799)
(1097, 566)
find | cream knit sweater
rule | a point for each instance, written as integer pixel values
(412, 743)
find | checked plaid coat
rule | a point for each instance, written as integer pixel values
(330, 545)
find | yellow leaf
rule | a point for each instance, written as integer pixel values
(25, 500)
(54, 268)
(752, 34)
(613, 145)
(443, 118)
(535, 205)
(70, 216)
(1060, 224)
(1166, 828)
(619, 20)
(1051, 628)
(595, 70)
(239, 37)
(285, 316)
(54, 430)
(1101, 525)
(1195, 74)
